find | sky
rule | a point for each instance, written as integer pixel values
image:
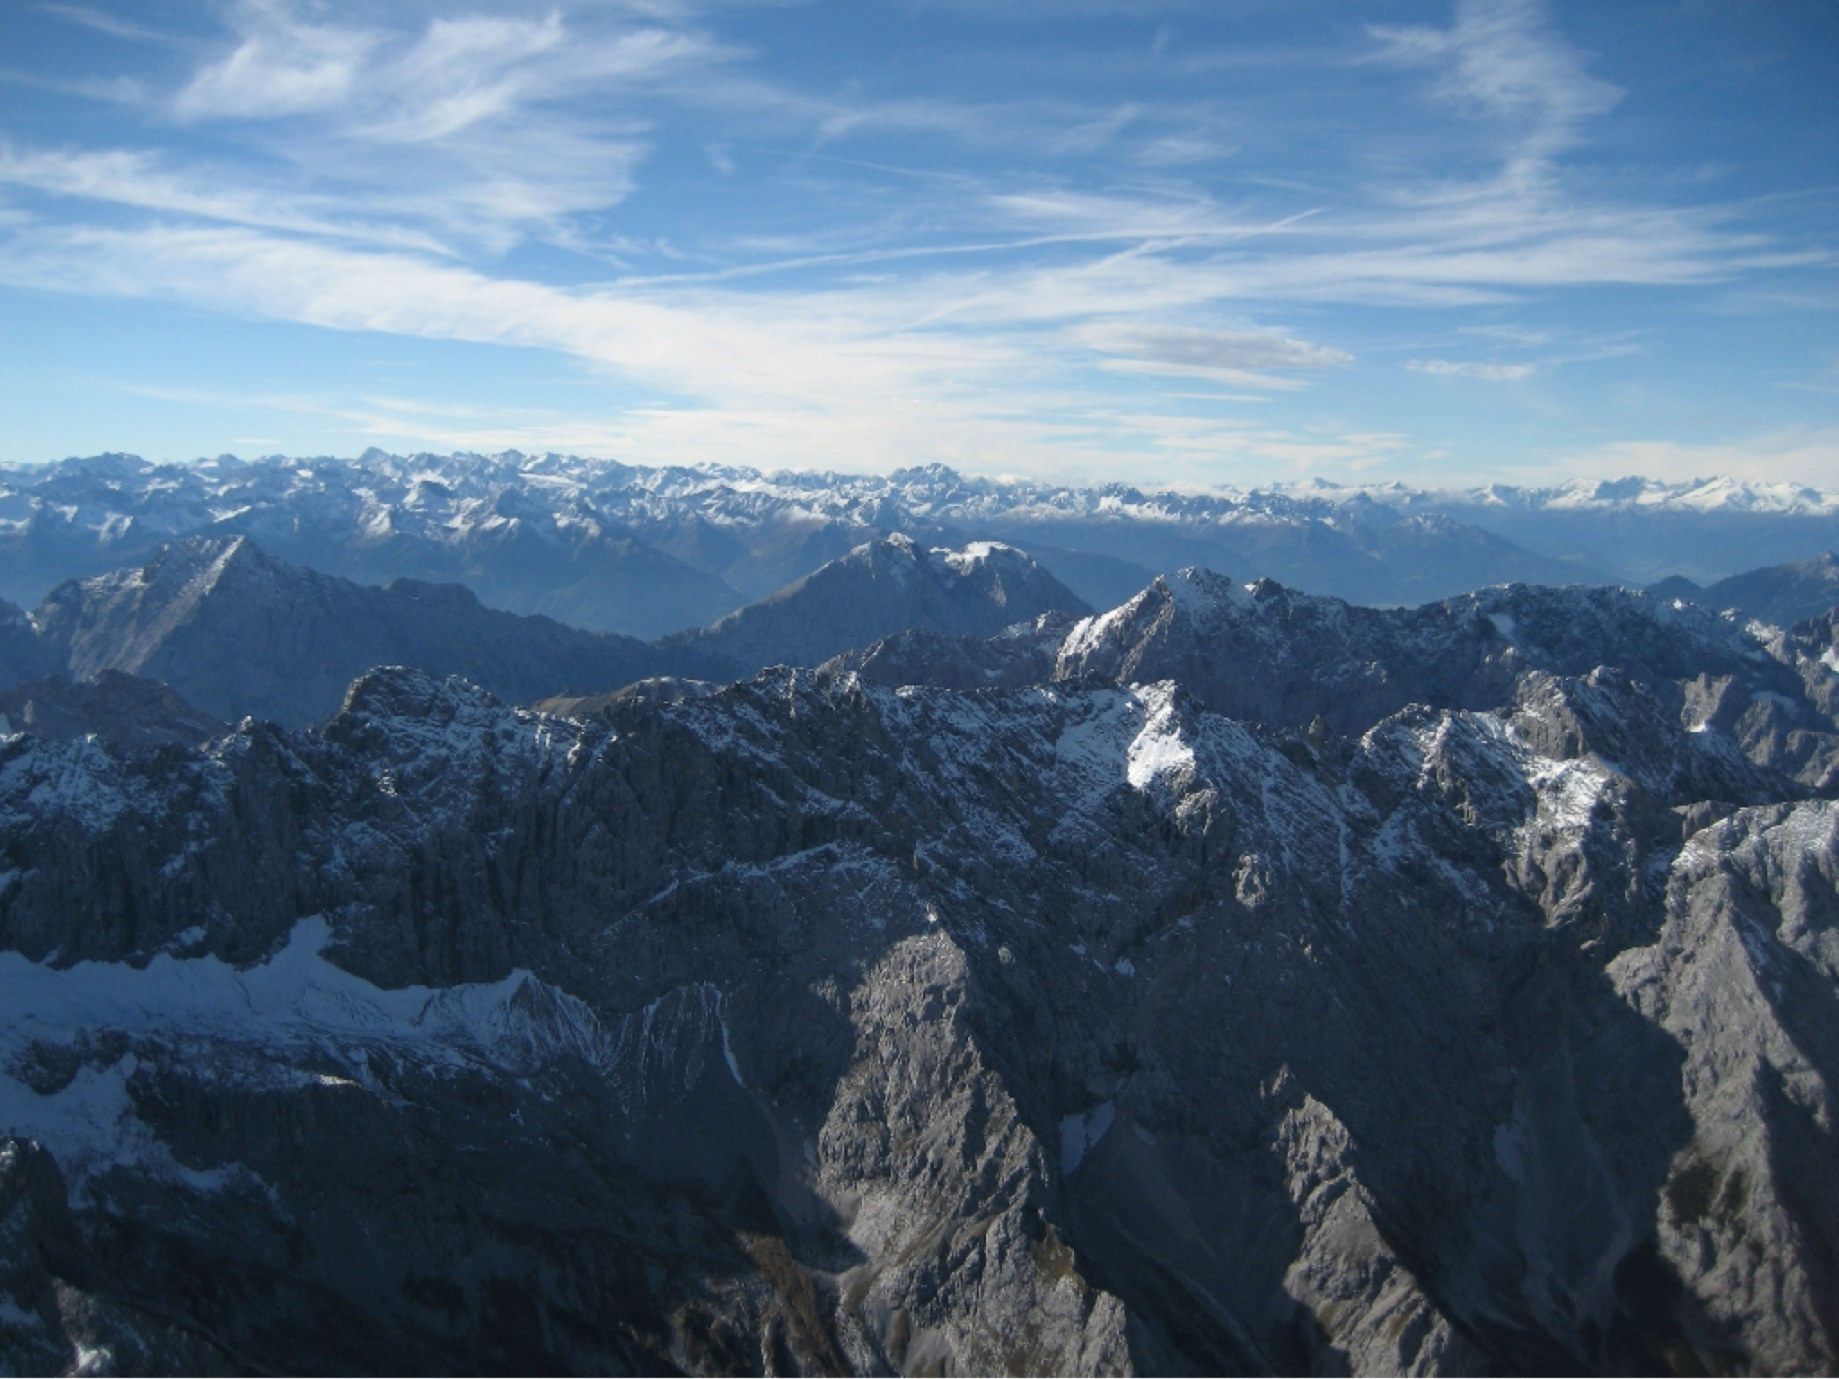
(1219, 243)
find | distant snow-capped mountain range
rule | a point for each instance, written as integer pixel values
(647, 551)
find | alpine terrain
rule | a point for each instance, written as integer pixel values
(1238, 980)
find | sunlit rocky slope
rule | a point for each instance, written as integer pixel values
(1234, 981)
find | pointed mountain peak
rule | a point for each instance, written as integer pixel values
(201, 563)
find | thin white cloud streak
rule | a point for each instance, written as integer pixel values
(457, 73)
(1472, 368)
(1204, 447)
(280, 68)
(134, 178)
(730, 349)
(107, 24)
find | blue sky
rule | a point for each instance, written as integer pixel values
(1209, 243)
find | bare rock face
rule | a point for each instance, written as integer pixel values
(1749, 952)
(1087, 1023)
(948, 1190)
(1360, 1294)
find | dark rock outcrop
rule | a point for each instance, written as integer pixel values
(23, 655)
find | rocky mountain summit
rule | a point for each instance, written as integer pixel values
(1230, 982)
(1266, 654)
(879, 589)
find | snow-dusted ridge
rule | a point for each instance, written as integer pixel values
(310, 1020)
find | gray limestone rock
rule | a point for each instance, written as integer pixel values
(818, 1024)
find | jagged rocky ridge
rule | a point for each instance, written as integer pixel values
(1071, 1025)
(1267, 654)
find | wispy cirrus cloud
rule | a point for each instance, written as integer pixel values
(483, 130)
(141, 179)
(281, 67)
(1503, 59)
(103, 22)
(803, 255)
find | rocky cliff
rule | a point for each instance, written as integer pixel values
(1138, 1011)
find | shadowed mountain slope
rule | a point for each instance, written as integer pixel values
(1779, 594)
(23, 656)
(878, 589)
(238, 632)
(124, 710)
